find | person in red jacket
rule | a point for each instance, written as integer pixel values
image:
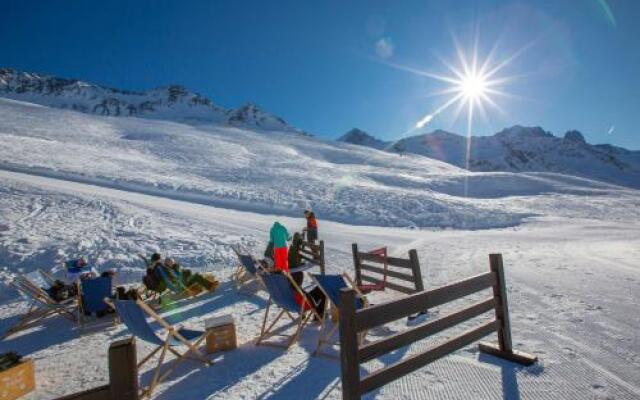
(312, 226)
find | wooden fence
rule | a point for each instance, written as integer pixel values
(313, 253)
(404, 270)
(123, 375)
(353, 321)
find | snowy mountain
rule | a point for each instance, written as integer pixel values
(526, 149)
(362, 138)
(169, 103)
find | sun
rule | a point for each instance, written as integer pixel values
(473, 87)
(471, 83)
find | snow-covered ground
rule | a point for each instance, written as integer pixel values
(109, 187)
(572, 271)
(282, 173)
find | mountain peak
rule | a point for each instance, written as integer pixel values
(250, 114)
(442, 133)
(362, 138)
(523, 132)
(574, 136)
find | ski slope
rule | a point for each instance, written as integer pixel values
(572, 274)
(283, 173)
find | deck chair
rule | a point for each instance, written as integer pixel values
(91, 295)
(246, 272)
(42, 305)
(279, 285)
(176, 291)
(46, 277)
(133, 314)
(331, 285)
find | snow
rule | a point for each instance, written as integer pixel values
(573, 285)
(278, 172)
(108, 188)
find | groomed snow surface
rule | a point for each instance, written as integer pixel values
(573, 287)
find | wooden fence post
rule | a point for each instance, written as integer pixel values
(123, 370)
(356, 263)
(322, 265)
(415, 266)
(502, 307)
(504, 349)
(350, 366)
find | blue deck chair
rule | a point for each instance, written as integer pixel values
(91, 295)
(33, 287)
(246, 272)
(331, 285)
(133, 314)
(279, 286)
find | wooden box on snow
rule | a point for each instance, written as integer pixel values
(221, 333)
(17, 380)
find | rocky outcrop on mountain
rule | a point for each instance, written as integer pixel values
(362, 138)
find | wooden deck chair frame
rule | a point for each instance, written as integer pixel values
(192, 353)
(325, 336)
(47, 276)
(40, 307)
(300, 322)
(243, 278)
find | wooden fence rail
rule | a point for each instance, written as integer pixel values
(409, 271)
(314, 253)
(353, 321)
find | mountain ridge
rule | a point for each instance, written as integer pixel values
(520, 149)
(170, 102)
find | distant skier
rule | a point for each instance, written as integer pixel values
(279, 236)
(312, 226)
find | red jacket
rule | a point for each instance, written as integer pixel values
(311, 222)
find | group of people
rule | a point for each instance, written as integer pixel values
(161, 274)
(283, 255)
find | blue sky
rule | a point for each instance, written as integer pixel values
(325, 66)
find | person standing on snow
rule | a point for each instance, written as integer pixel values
(312, 226)
(279, 236)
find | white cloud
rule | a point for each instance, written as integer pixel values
(384, 48)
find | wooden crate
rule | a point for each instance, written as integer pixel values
(17, 381)
(221, 334)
